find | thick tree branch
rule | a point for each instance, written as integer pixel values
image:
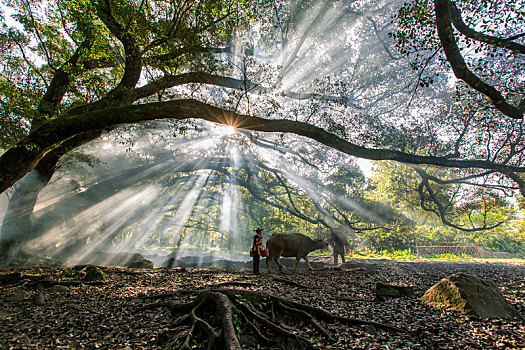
(122, 93)
(470, 33)
(169, 81)
(59, 84)
(22, 158)
(441, 210)
(459, 66)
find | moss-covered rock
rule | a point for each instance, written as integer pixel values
(469, 295)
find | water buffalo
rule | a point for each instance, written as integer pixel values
(291, 244)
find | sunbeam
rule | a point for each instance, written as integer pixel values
(182, 188)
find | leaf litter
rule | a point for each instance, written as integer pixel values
(113, 314)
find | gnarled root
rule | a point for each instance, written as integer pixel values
(218, 318)
(211, 304)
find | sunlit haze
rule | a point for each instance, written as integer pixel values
(193, 186)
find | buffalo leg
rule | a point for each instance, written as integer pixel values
(296, 263)
(308, 263)
(279, 263)
(269, 264)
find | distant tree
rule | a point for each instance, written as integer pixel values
(402, 187)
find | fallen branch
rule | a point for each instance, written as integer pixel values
(305, 315)
(314, 311)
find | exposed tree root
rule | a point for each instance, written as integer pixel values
(217, 318)
(305, 315)
(231, 284)
(222, 314)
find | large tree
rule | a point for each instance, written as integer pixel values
(71, 69)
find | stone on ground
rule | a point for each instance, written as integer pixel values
(392, 291)
(59, 288)
(142, 264)
(93, 274)
(469, 295)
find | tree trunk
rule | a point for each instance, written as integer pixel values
(17, 224)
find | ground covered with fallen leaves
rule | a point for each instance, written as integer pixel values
(61, 312)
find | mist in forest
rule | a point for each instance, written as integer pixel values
(166, 189)
(179, 195)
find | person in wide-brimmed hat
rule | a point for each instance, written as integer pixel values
(256, 249)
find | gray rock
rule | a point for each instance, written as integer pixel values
(469, 295)
(39, 299)
(142, 264)
(247, 341)
(22, 295)
(93, 274)
(59, 288)
(392, 291)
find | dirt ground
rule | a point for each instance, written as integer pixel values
(59, 312)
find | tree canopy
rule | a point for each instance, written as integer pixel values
(435, 85)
